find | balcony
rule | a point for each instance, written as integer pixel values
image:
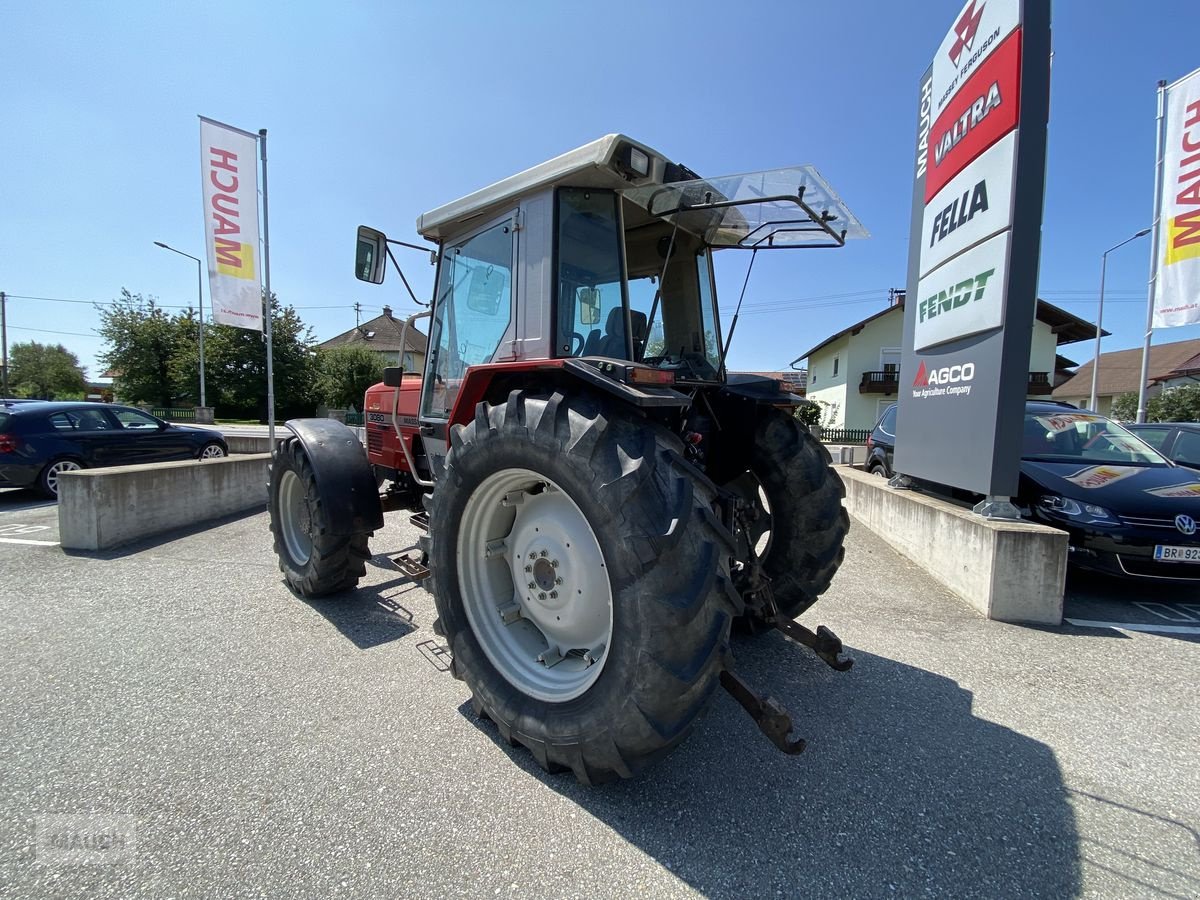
(1039, 385)
(885, 382)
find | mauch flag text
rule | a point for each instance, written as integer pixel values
(1177, 297)
(229, 169)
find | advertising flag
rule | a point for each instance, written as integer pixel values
(229, 169)
(1177, 298)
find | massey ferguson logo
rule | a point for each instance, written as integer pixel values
(965, 30)
(947, 381)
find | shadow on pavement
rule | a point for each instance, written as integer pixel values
(1163, 608)
(901, 792)
(17, 499)
(370, 615)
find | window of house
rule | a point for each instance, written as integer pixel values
(835, 365)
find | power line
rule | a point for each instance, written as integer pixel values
(48, 331)
(157, 305)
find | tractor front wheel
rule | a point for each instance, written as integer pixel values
(581, 580)
(313, 561)
(798, 525)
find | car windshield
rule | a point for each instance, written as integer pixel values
(1083, 437)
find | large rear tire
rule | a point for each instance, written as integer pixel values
(581, 580)
(313, 561)
(801, 528)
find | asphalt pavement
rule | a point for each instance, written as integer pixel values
(175, 723)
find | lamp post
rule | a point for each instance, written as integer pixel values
(1100, 314)
(200, 300)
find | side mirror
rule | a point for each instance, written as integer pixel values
(589, 305)
(391, 376)
(484, 290)
(370, 257)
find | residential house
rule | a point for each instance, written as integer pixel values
(382, 335)
(854, 374)
(1187, 372)
(1121, 372)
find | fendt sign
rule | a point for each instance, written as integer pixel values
(974, 244)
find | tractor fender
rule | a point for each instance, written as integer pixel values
(345, 483)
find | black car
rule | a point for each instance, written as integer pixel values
(881, 444)
(1177, 441)
(1127, 510)
(39, 440)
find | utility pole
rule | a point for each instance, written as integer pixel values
(357, 314)
(3, 346)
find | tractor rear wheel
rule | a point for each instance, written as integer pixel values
(581, 581)
(313, 561)
(800, 524)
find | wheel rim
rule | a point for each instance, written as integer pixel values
(53, 472)
(212, 451)
(534, 584)
(758, 525)
(295, 522)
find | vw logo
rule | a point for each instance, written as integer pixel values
(1185, 524)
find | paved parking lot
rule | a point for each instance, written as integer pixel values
(241, 742)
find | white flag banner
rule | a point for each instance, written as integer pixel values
(1177, 295)
(229, 169)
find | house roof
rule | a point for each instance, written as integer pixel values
(1187, 367)
(1061, 362)
(381, 334)
(1069, 328)
(1120, 370)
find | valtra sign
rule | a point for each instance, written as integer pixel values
(974, 244)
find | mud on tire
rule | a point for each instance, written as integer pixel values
(808, 523)
(666, 556)
(313, 561)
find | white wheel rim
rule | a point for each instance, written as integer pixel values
(212, 451)
(295, 520)
(65, 465)
(535, 586)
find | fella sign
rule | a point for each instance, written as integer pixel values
(973, 247)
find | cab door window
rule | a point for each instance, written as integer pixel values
(473, 309)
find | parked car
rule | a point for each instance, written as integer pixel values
(1177, 441)
(40, 440)
(1127, 510)
(881, 444)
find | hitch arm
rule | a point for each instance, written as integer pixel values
(822, 642)
(772, 719)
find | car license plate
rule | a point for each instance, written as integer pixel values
(1163, 553)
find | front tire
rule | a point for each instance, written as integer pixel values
(802, 527)
(47, 482)
(313, 561)
(613, 672)
(212, 450)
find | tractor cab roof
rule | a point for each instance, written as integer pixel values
(613, 161)
(777, 209)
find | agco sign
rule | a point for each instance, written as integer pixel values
(946, 381)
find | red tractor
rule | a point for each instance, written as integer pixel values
(603, 501)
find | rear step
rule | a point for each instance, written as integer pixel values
(421, 520)
(411, 566)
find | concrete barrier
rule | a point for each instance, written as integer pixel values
(103, 508)
(1009, 571)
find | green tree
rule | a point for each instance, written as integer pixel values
(142, 340)
(45, 372)
(1124, 407)
(1178, 404)
(235, 365)
(344, 373)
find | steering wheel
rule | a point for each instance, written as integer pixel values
(576, 336)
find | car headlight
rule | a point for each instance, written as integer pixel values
(1072, 509)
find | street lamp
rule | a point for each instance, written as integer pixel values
(200, 300)
(1100, 313)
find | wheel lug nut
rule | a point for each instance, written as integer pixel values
(533, 556)
(545, 554)
(554, 563)
(554, 595)
(532, 585)
(558, 581)
(529, 568)
(542, 595)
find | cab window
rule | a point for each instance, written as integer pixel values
(591, 309)
(472, 313)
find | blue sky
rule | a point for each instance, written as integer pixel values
(377, 112)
